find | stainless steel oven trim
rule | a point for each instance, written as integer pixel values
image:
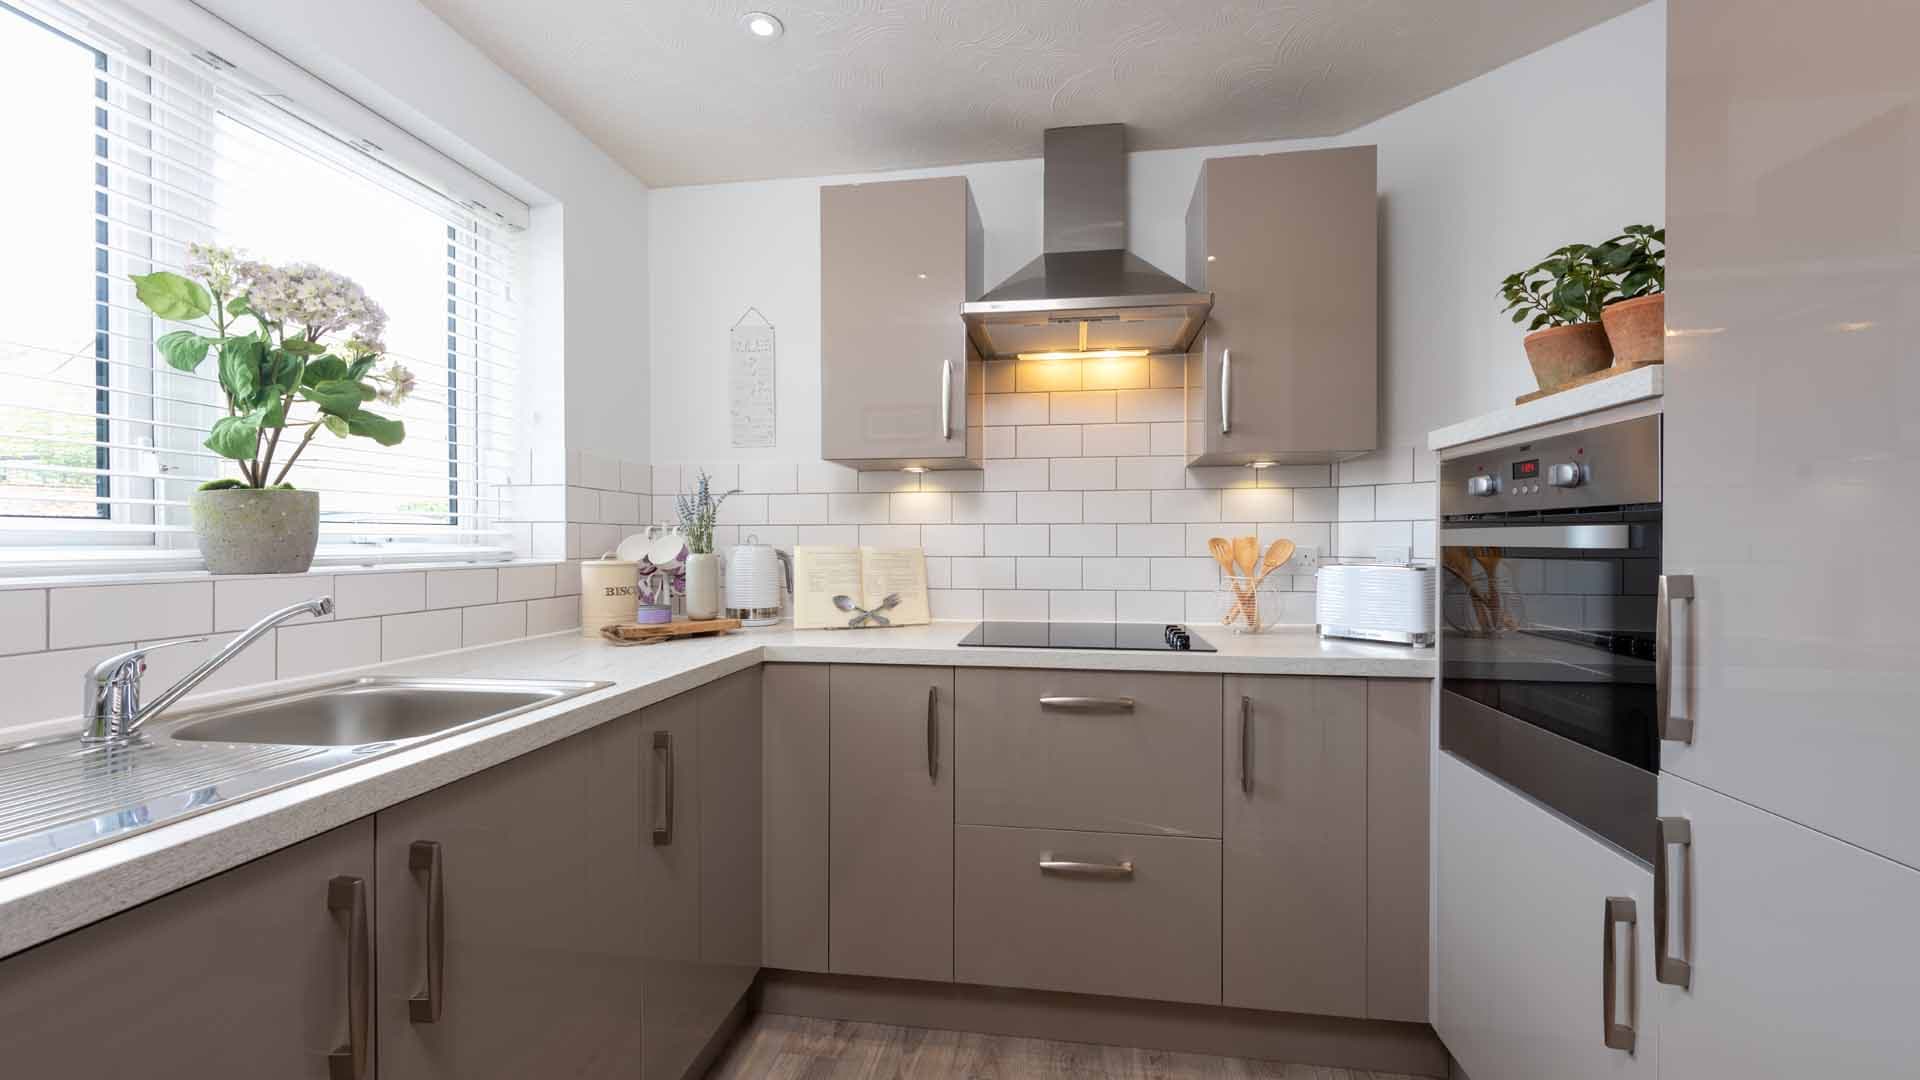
(1554, 537)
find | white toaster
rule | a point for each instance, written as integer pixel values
(1374, 602)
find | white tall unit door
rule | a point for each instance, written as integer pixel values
(1524, 906)
(1792, 392)
(1803, 959)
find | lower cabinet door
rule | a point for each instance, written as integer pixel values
(1531, 917)
(1295, 875)
(1121, 914)
(252, 973)
(1799, 952)
(490, 965)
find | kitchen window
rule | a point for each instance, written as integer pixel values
(136, 145)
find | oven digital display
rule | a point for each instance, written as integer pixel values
(1526, 470)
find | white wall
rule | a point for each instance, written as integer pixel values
(1475, 182)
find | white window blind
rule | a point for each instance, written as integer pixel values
(134, 147)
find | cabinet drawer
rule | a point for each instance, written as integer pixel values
(1149, 931)
(1135, 753)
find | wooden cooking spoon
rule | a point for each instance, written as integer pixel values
(1277, 555)
(1222, 551)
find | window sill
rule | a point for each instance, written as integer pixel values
(170, 566)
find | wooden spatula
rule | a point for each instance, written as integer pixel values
(1222, 551)
(1277, 555)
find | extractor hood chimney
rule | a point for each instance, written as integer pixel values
(1086, 292)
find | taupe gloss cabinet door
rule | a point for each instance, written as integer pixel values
(1399, 846)
(1287, 244)
(891, 819)
(243, 975)
(795, 858)
(1294, 869)
(900, 383)
(496, 969)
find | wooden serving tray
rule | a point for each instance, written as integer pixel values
(1602, 374)
(652, 633)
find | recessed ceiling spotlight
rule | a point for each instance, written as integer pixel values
(762, 25)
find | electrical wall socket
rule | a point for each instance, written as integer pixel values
(1306, 560)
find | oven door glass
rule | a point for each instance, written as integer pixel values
(1550, 621)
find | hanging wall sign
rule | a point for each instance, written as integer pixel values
(750, 384)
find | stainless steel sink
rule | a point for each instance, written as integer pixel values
(371, 711)
(61, 796)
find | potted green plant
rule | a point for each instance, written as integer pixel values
(1559, 299)
(296, 348)
(1636, 317)
(699, 512)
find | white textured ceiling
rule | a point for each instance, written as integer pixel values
(680, 94)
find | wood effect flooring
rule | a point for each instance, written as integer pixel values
(772, 1047)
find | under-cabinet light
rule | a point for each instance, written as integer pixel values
(1096, 354)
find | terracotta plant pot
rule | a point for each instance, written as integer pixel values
(1637, 328)
(247, 531)
(1560, 353)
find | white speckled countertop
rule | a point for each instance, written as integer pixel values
(1636, 385)
(49, 900)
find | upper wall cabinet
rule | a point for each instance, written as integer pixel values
(901, 386)
(1287, 369)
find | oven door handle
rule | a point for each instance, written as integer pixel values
(1559, 537)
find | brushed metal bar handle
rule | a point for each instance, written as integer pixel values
(349, 894)
(1667, 968)
(933, 733)
(946, 399)
(1075, 868)
(1088, 704)
(1246, 746)
(663, 753)
(1620, 911)
(1226, 389)
(424, 1007)
(1672, 587)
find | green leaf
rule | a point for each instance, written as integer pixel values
(303, 347)
(274, 413)
(183, 349)
(326, 369)
(368, 392)
(381, 429)
(359, 368)
(240, 360)
(171, 296)
(235, 437)
(337, 396)
(237, 305)
(282, 371)
(337, 424)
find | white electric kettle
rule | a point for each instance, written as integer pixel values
(758, 577)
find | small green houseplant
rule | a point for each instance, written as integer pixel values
(296, 348)
(1635, 316)
(1560, 300)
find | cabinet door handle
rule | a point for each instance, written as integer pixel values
(1668, 968)
(1620, 911)
(424, 1007)
(1226, 390)
(1672, 587)
(349, 894)
(946, 399)
(933, 733)
(663, 822)
(1074, 868)
(1246, 746)
(1088, 704)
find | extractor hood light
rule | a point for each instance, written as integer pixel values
(1262, 464)
(762, 25)
(914, 469)
(1094, 354)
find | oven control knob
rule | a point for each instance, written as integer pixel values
(1568, 475)
(1482, 485)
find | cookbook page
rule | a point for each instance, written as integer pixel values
(896, 585)
(819, 575)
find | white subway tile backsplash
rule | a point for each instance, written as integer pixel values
(526, 582)
(492, 623)
(1257, 504)
(861, 509)
(1424, 540)
(1081, 407)
(254, 664)
(954, 479)
(1116, 506)
(583, 504)
(1356, 504)
(1223, 476)
(1150, 406)
(921, 507)
(599, 471)
(1167, 371)
(1116, 440)
(461, 588)
(1015, 606)
(825, 476)
(636, 478)
(830, 535)
(889, 480)
(1000, 442)
(1017, 540)
(953, 539)
(1150, 473)
(1080, 606)
(1002, 378)
(359, 595)
(44, 685)
(1050, 441)
(598, 540)
(1116, 573)
(1316, 535)
(240, 602)
(327, 646)
(1115, 373)
(1316, 504)
(1082, 540)
(23, 621)
(1168, 438)
(1198, 536)
(1295, 476)
(1016, 410)
(939, 572)
(1049, 506)
(1082, 474)
(1183, 574)
(1364, 539)
(890, 536)
(1393, 465)
(420, 632)
(994, 573)
(666, 480)
(93, 614)
(1405, 502)
(620, 507)
(954, 603)
(1150, 539)
(996, 507)
(1041, 376)
(771, 478)
(1150, 607)
(1426, 465)
(1017, 474)
(1199, 505)
(796, 509)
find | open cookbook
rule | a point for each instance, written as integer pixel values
(846, 587)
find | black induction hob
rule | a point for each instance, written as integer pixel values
(1152, 637)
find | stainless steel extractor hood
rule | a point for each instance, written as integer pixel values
(1086, 292)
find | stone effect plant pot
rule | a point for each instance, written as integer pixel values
(243, 531)
(1637, 329)
(1560, 353)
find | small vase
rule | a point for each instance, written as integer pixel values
(254, 531)
(703, 586)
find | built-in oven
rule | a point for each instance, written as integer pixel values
(1550, 556)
